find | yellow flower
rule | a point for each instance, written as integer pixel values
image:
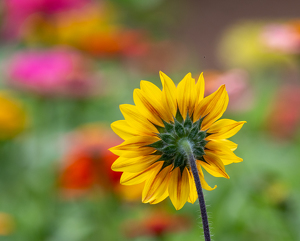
(12, 116)
(6, 224)
(155, 129)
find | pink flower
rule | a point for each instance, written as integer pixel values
(281, 37)
(237, 85)
(18, 11)
(58, 72)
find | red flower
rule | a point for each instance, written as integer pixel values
(87, 163)
(156, 224)
(284, 117)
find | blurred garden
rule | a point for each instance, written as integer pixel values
(67, 65)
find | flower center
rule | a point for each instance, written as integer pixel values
(174, 135)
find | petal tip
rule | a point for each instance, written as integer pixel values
(222, 88)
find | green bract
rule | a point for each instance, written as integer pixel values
(173, 135)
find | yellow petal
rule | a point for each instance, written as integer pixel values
(200, 87)
(151, 98)
(123, 130)
(136, 120)
(223, 142)
(151, 89)
(134, 165)
(146, 108)
(224, 128)
(161, 198)
(193, 191)
(135, 146)
(214, 165)
(136, 178)
(156, 184)
(168, 95)
(202, 180)
(186, 95)
(179, 187)
(224, 153)
(212, 107)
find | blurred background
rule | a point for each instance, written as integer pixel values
(66, 66)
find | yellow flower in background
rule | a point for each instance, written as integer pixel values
(156, 128)
(12, 116)
(6, 224)
(245, 43)
(92, 28)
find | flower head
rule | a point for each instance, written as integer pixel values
(157, 127)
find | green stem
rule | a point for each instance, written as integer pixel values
(186, 146)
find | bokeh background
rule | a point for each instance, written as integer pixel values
(66, 66)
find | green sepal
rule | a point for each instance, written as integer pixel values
(169, 127)
(182, 168)
(179, 160)
(167, 138)
(198, 123)
(198, 151)
(166, 157)
(160, 128)
(200, 136)
(179, 129)
(170, 149)
(157, 153)
(165, 164)
(202, 143)
(208, 134)
(157, 145)
(202, 159)
(179, 116)
(188, 122)
(194, 131)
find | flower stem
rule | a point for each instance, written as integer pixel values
(188, 150)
